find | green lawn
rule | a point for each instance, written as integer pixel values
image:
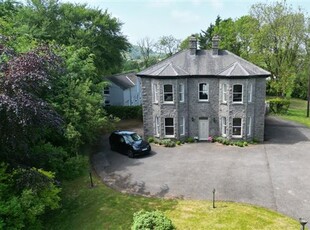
(104, 208)
(297, 112)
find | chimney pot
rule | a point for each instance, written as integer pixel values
(215, 45)
(193, 45)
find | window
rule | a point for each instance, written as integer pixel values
(157, 126)
(182, 126)
(106, 90)
(224, 127)
(155, 93)
(169, 127)
(107, 103)
(224, 93)
(181, 92)
(237, 93)
(237, 127)
(250, 89)
(203, 92)
(168, 93)
(249, 128)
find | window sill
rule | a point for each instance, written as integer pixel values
(168, 103)
(237, 103)
(169, 136)
(238, 137)
(203, 101)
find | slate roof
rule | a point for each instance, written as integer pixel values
(124, 80)
(204, 63)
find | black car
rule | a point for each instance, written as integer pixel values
(129, 143)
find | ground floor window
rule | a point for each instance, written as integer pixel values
(224, 127)
(169, 127)
(237, 127)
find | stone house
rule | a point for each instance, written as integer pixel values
(123, 89)
(201, 93)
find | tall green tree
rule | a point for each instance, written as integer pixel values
(205, 37)
(76, 24)
(280, 43)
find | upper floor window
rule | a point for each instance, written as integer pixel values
(169, 127)
(203, 92)
(168, 93)
(237, 127)
(224, 127)
(157, 126)
(237, 93)
(250, 92)
(107, 103)
(182, 126)
(155, 93)
(181, 92)
(106, 90)
(224, 93)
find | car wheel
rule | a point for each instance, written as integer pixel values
(130, 153)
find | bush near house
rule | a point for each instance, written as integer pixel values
(151, 220)
(279, 105)
(125, 112)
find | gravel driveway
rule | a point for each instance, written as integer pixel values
(274, 174)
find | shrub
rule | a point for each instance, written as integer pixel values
(279, 105)
(178, 143)
(75, 166)
(125, 112)
(190, 140)
(150, 139)
(168, 143)
(151, 220)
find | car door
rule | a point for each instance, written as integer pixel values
(122, 144)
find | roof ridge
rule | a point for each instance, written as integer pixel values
(130, 80)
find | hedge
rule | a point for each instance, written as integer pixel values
(279, 105)
(125, 112)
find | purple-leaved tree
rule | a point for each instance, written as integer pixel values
(24, 115)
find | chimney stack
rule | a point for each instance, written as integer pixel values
(193, 45)
(215, 45)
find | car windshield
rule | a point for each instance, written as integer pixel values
(133, 137)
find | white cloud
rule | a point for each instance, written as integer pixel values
(160, 3)
(185, 16)
(216, 4)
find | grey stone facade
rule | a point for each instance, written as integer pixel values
(213, 110)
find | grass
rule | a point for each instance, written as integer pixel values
(103, 208)
(297, 112)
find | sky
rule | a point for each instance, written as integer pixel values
(179, 18)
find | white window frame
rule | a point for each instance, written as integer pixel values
(107, 88)
(224, 126)
(241, 129)
(168, 102)
(169, 126)
(250, 92)
(182, 126)
(155, 93)
(207, 90)
(157, 126)
(249, 127)
(181, 92)
(238, 102)
(224, 93)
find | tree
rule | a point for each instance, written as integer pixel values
(24, 115)
(280, 43)
(168, 45)
(146, 46)
(205, 37)
(76, 24)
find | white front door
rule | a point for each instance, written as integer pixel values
(203, 129)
